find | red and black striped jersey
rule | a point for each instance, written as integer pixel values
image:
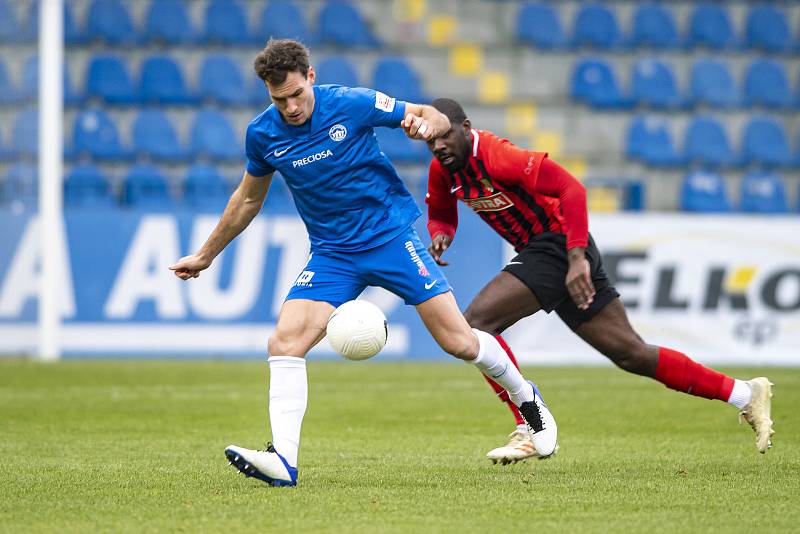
(499, 183)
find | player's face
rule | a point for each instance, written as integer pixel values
(452, 149)
(294, 98)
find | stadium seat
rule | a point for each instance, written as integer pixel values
(204, 188)
(222, 81)
(5, 150)
(8, 93)
(30, 83)
(94, 133)
(766, 84)
(595, 83)
(710, 26)
(704, 192)
(20, 189)
(282, 19)
(226, 23)
(9, 24)
(707, 143)
(596, 27)
(73, 33)
(154, 136)
(654, 25)
(338, 70)
(763, 192)
(396, 77)
(86, 187)
(767, 29)
(653, 84)
(341, 24)
(168, 22)
(110, 21)
(108, 78)
(25, 135)
(399, 148)
(764, 141)
(213, 136)
(146, 188)
(649, 140)
(538, 24)
(162, 82)
(712, 84)
(259, 96)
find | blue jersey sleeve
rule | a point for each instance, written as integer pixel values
(374, 108)
(256, 164)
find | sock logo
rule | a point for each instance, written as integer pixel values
(505, 369)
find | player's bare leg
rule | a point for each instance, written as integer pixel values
(611, 334)
(301, 325)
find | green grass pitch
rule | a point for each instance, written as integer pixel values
(136, 446)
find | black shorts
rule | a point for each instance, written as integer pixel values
(542, 266)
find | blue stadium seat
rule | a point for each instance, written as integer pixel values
(399, 148)
(259, 96)
(5, 150)
(163, 82)
(595, 83)
(213, 136)
(168, 22)
(338, 70)
(95, 133)
(767, 29)
(222, 81)
(9, 24)
(341, 24)
(226, 23)
(653, 84)
(146, 188)
(766, 84)
(282, 19)
(764, 141)
(649, 140)
(712, 84)
(763, 192)
(538, 24)
(25, 134)
(155, 136)
(108, 78)
(654, 25)
(73, 33)
(204, 188)
(710, 26)
(596, 27)
(21, 186)
(30, 83)
(396, 77)
(704, 192)
(8, 92)
(86, 187)
(707, 143)
(110, 21)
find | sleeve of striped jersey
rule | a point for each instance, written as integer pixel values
(442, 206)
(555, 181)
(374, 108)
(256, 166)
(512, 164)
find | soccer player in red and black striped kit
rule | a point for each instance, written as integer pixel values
(538, 207)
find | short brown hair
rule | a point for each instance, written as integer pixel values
(280, 57)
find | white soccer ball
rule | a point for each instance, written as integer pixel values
(357, 330)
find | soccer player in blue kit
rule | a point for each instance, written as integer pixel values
(359, 218)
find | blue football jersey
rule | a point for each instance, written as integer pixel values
(345, 189)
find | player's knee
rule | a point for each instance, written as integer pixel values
(463, 346)
(632, 357)
(280, 344)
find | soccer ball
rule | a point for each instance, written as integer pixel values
(357, 330)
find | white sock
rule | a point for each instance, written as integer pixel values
(288, 396)
(740, 394)
(493, 361)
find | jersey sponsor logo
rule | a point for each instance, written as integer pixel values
(531, 163)
(304, 279)
(421, 269)
(384, 102)
(312, 158)
(337, 132)
(279, 153)
(497, 202)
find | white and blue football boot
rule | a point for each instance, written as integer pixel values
(267, 465)
(541, 423)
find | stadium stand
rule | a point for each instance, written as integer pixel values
(764, 141)
(86, 187)
(767, 29)
(25, 135)
(703, 191)
(9, 24)
(213, 135)
(111, 22)
(650, 141)
(707, 143)
(653, 84)
(712, 84)
(284, 20)
(204, 188)
(146, 187)
(162, 82)
(539, 25)
(594, 82)
(96, 135)
(342, 24)
(710, 26)
(400, 148)
(154, 136)
(763, 192)
(21, 186)
(8, 92)
(108, 79)
(168, 23)
(395, 76)
(30, 83)
(222, 82)
(654, 26)
(226, 23)
(338, 70)
(766, 84)
(596, 27)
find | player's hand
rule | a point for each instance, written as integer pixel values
(579, 281)
(437, 248)
(190, 266)
(416, 127)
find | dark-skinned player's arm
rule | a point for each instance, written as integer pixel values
(424, 122)
(243, 206)
(442, 213)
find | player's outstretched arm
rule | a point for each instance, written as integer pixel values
(424, 122)
(243, 206)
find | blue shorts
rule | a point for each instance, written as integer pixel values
(402, 266)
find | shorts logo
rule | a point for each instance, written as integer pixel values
(496, 202)
(337, 132)
(421, 269)
(312, 158)
(304, 279)
(384, 102)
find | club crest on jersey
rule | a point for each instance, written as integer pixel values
(421, 269)
(337, 132)
(497, 202)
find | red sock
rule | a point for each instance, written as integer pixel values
(677, 371)
(498, 389)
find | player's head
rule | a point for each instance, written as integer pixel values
(452, 149)
(283, 65)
